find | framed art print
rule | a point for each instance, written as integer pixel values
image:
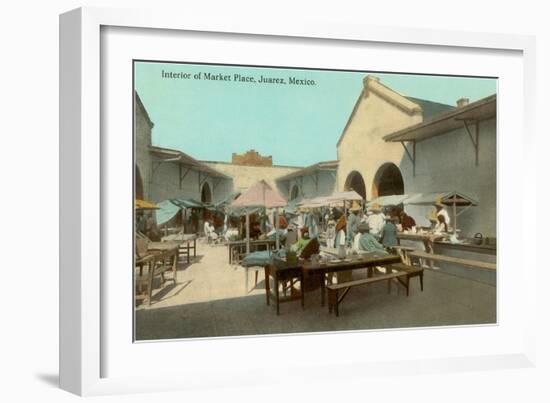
(259, 190)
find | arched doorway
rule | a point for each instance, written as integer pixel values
(138, 184)
(295, 192)
(355, 181)
(388, 181)
(206, 193)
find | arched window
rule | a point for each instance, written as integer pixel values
(206, 193)
(388, 181)
(355, 181)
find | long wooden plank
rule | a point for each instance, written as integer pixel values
(366, 280)
(455, 260)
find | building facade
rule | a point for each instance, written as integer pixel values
(316, 180)
(400, 145)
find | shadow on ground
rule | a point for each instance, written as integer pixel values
(446, 300)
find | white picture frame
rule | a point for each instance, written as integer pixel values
(82, 157)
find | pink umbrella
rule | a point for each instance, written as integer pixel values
(260, 195)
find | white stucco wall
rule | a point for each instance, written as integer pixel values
(447, 162)
(165, 184)
(325, 185)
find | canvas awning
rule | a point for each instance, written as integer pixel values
(187, 203)
(344, 196)
(448, 198)
(260, 195)
(145, 205)
(393, 200)
(167, 210)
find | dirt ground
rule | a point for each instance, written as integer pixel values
(209, 300)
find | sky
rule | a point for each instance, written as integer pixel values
(297, 124)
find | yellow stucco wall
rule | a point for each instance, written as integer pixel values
(246, 176)
(362, 148)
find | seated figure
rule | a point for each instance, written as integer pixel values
(364, 241)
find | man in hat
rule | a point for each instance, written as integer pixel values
(440, 211)
(376, 220)
(352, 222)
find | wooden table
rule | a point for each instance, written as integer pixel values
(186, 242)
(159, 253)
(254, 246)
(297, 272)
(363, 261)
(282, 275)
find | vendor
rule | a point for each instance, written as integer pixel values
(340, 232)
(331, 233)
(388, 236)
(364, 241)
(376, 220)
(440, 211)
(441, 226)
(352, 222)
(406, 221)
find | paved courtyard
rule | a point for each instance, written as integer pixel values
(210, 300)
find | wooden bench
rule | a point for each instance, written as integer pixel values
(334, 299)
(454, 260)
(411, 271)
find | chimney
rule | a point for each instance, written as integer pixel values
(462, 102)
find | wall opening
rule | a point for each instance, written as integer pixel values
(206, 193)
(295, 192)
(138, 184)
(355, 181)
(388, 181)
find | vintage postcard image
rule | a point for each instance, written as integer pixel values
(274, 200)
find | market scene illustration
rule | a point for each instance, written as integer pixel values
(274, 200)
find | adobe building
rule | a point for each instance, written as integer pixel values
(315, 180)
(249, 168)
(394, 144)
(162, 173)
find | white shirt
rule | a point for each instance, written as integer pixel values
(376, 223)
(445, 215)
(342, 237)
(207, 228)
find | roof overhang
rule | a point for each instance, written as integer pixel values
(329, 166)
(480, 110)
(178, 157)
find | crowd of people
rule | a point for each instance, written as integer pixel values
(372, 228)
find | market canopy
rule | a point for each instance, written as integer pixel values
(260, 195)
(167, 210)
(145, 205)
(393, 200)
(448, 198)
(187, 203)
(338, 197)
